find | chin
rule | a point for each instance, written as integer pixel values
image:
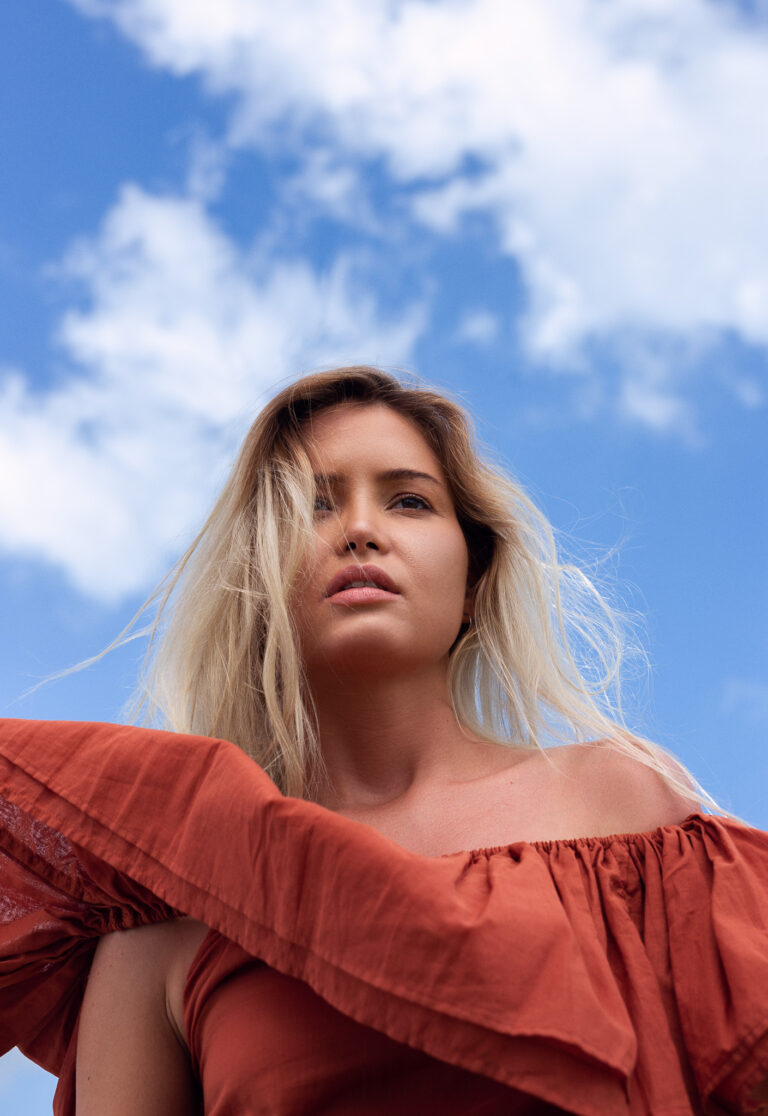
(375, 657)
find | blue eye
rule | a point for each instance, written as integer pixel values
(322, 504)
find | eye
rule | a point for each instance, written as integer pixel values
(322, 504)
(411, 502)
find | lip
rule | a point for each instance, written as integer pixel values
(360, 573)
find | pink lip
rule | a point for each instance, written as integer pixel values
(362, 573)
(363, 594)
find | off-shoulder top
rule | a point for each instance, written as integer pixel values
(609, 976)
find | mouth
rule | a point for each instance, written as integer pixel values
(367, 582)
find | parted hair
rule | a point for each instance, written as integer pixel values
(541, 659)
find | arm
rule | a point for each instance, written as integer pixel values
(131, 1058)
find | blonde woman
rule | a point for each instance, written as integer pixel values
(357, 875)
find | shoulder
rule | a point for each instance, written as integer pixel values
(152, 963)
(131, 1052)
(622, 794)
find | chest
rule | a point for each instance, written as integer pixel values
(536, 800)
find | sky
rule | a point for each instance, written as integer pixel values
(554, 209)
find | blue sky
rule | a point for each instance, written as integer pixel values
(556, 210)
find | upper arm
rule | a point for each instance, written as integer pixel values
(130, 1060)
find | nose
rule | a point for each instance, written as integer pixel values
(362, 528)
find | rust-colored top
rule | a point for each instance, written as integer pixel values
(616, 976)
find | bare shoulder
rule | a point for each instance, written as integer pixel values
(154, 961)
(622, 794)
(131, 1051)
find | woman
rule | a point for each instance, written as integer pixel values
(378, 619)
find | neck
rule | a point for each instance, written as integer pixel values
(385, 739)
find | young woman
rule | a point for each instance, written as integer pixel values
(424, 909)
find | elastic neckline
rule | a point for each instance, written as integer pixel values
(574, 842)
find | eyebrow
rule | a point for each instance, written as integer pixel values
(387, 475)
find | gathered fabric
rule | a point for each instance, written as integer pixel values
(623, 975)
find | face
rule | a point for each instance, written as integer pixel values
(383, 502)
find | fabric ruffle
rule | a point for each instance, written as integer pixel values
(626, 974)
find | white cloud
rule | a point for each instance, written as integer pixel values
(107, 474)
(655, 405)
(206, 175)
(479, 327)
(333, 186)
(619, 147)
(746, 699)
(748, 391)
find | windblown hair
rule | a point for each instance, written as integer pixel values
(541, 659)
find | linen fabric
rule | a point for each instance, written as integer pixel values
(342, 974)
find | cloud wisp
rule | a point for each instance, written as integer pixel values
(746, 699)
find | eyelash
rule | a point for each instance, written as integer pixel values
(413, 496)
(426, 506)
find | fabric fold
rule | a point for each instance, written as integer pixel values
(626, 974)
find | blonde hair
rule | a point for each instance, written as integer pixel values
(542, 657)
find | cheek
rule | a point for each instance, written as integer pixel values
(308, 588)
(445, 571)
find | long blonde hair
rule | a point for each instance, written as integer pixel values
(542, 657)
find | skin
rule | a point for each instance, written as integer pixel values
(396, 756)
(378, 670)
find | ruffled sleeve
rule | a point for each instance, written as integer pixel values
(681, 915)
(624, 975)
(715, 896)
(56, 900)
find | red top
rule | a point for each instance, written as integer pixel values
(343, 974)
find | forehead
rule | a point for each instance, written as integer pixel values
(367, 432)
